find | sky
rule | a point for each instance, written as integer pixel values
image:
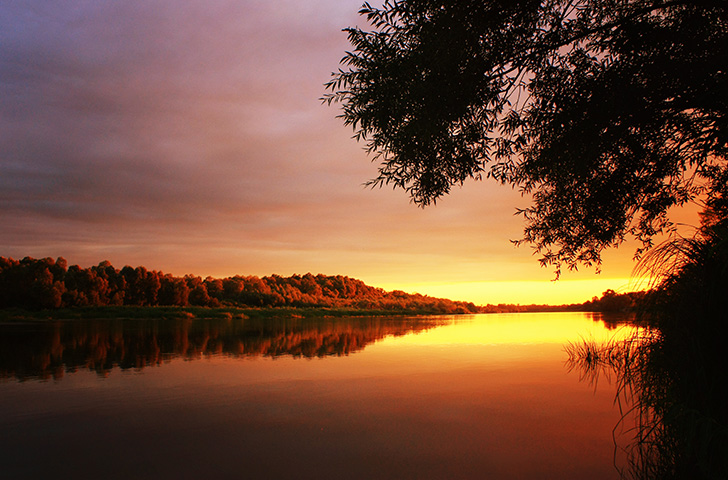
(189, 137)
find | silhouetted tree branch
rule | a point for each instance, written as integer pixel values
(606, 112)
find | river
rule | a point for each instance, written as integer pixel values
(441, 397)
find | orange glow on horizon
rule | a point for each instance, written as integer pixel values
(543, 292)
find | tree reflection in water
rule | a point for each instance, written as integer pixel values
(49, 350)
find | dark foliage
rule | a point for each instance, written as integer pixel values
(673, 376)
(607, 112)
(690, 308)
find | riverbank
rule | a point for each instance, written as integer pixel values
(171, 312)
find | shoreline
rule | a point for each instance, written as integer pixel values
(123, 312)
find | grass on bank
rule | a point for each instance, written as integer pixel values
(171, 312)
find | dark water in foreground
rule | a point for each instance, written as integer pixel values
(483, 396)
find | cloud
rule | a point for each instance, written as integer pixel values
(151, 103)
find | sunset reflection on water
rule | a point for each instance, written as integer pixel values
(515, 328)
(483, 396)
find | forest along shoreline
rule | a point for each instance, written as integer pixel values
(37, 289)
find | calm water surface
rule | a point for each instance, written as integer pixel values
(482, 396)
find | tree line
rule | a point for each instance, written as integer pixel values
(51, 284)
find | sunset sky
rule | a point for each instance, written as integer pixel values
(189, 137)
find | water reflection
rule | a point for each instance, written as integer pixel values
(49, 350)
(521, 328)
(482, 396)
